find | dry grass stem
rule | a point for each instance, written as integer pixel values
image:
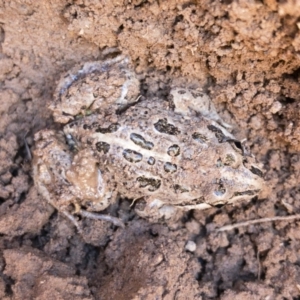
(258, 221)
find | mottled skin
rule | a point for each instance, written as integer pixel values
(165, 155)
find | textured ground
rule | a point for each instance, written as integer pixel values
(245, 54)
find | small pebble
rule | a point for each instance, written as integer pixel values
(276, 107)
(190, 246)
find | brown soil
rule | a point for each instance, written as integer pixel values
(245, 54)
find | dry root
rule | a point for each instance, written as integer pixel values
(95, 216)
(258, 221)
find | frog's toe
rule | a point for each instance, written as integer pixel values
(156, 210)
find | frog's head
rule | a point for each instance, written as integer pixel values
(234, 175)
(237, 174)
(243, 183)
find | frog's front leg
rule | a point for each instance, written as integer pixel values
(70, 182)
(156, 210)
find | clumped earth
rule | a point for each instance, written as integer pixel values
(245, 55)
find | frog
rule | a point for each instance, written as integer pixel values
(167, 155)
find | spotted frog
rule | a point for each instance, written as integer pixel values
(167, 155)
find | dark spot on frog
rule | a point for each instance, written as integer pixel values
(196, 94)
(151, 160)
(86, 126)
(74, 123)
(181, 92)
(132, 156)
(111, 128)
(139, 140)
(192, 202)
(219, 163)
(179, 189)
(70, 142)
(163, 126)
(248, 193)
(218, 133)
(256, 171)
(102, 147)
(174, 150)
(236, 145)
(199, 137)
(189, 152)
(170, 168)
(151, 183)
(172, 105)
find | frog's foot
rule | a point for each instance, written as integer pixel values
(187, 100)
(155, 210)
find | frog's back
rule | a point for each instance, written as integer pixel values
(151, 151)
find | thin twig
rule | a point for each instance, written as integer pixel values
(259, 265)
(108, 218)
(27, 147)
(73, 220)
(258, 221)
(134, 200)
